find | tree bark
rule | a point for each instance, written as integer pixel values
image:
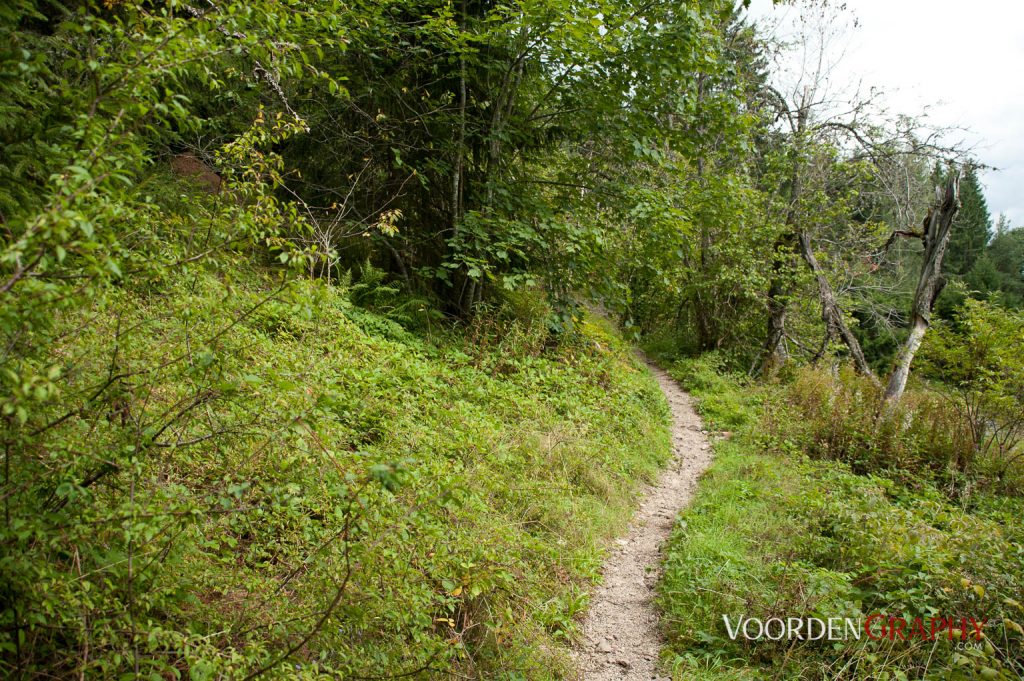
(704, 314)
(773, 354)
(831, 314)
(457, 170)
(930, 282)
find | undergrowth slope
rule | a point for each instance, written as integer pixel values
(361, 499)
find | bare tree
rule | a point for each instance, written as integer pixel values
(935, 236)
(815, 113)
(811, 116)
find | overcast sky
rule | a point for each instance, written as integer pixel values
(963, 60)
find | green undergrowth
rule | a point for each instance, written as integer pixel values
(294, 484)
(774, 532)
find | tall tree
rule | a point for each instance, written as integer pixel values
(838, 143)
(972, 227)
(1006, 253)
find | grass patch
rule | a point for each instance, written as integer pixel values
(446, 501)
(776, 533)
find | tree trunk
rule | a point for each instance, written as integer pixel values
(773, 355)
(929, 283)
(830, 312)
(457, 170)
(703, 311)
(458, 189)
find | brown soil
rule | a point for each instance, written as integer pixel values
(622, 632)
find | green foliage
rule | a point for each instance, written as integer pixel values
(972, 227)
(94, 395)
(687, 267)
(774, 533)
(977, 364)
(961, 429)
(1000, 271)
(841, 417)
(722, 406)
(243, 433)
(479, 123)
(1006, 251)
(983, 267)
(215, 467)
(202, 521)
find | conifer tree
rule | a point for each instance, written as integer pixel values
(972, 227)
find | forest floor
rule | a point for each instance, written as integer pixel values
(622, 632)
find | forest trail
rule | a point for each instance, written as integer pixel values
(622, 634)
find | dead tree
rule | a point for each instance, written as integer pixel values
(810, 117)
(930, 282)
(831, 313)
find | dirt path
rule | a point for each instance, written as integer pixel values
(622, 633)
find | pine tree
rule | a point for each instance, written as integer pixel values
(1006, 251)
(972, 227)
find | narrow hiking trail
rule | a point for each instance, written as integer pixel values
(622, 634)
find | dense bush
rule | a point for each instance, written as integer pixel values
(962, 428)
(216, 464)
(977, 368)
(841, 416)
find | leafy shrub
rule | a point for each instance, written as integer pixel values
(721, 405)
(840, 416)
(365, 502)
(962, 429)
(978, 370)
(508, 334)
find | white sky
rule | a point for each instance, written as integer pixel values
(963, 61)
